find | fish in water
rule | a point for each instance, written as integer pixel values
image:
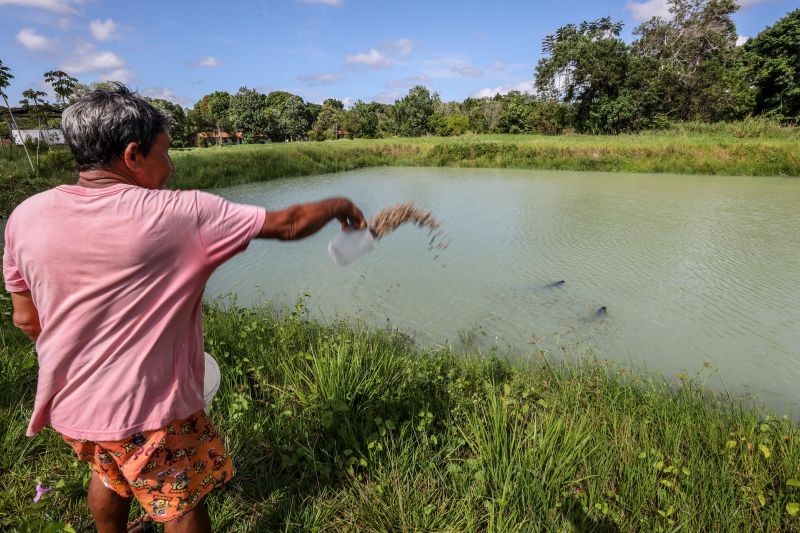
(600, 313)
(554, 284)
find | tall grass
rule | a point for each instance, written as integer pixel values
(340, 428)
(753, 147)
(675, 151)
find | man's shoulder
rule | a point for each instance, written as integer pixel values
(52, 201)
(32, 203)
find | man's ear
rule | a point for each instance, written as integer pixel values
(132, 156)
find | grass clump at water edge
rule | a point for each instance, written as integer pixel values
(341, 428)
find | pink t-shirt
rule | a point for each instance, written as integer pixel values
(117, 275)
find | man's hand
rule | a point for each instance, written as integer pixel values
(26, 316)
(350, 216)
(300, 221)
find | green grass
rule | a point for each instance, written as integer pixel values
(666, 152)
(340, 428)
(748, 148)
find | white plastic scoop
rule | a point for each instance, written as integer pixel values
(349, 245)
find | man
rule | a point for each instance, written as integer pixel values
(107, 277)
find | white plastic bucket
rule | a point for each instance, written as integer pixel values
(211, 380)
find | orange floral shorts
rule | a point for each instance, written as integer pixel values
(168, 470)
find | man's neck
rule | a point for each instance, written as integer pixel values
(100, 178)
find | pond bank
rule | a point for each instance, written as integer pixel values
(649, 153)
(719, 152)
(335, 428)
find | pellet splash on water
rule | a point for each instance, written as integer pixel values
(391, 218)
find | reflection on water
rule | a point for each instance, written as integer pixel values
(689, 270)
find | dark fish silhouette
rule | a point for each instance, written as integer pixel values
(554, 284)
(602, 312)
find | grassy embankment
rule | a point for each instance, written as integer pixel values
(338, 428)
(739, 149)
(672, 152)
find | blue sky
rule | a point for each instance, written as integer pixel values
(347, 49)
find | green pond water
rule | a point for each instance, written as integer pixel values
(694, 271)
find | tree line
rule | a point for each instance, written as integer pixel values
(688, 67)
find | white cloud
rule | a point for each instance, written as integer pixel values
(108, 65)
(372, 59)
(642, 11)
(523, 87)
(468, 71)
(122, 75)
(321, 78)
(208, 61)
(103, 30)
(498, 66)
(89, 60)
(384, 56)
(451, 66)
(407, 82)
(33, 41)
(56, 6)
(401, 47)
(334, 3)
(387, 97)
(740, 40)
(165, 93)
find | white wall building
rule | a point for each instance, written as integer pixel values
(49, 136)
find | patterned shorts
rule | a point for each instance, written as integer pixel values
(168, 470)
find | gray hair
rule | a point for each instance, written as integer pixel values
(101, 124)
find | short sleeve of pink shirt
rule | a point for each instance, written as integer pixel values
(11, 274)
(224, 229)
(117, 276)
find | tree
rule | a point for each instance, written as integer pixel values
(217, 106)
(276, 99)
(516, 113)
(449, 119)
(292, 119)
(196, 121)
(474, 111)
(362, 120)
(585, 66)
(81, 89)
(774, 67)
(63, 85)
(446, 125)
(37, 110)
(285, 115)
(695, 60)
(176, 121)
(247, 114)
(5, 81)
(328, 120)
(414, 111)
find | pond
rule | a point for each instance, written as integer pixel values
(665, 272)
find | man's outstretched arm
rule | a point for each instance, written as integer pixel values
(26, 316)
(300, 221)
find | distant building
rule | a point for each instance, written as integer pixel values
(49, 114)
(48, 136)
(221, 137)
(229, 137)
